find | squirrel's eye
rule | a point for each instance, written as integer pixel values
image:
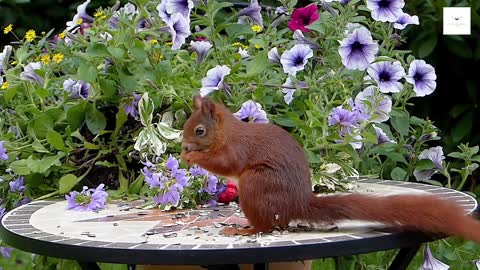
(199, 131)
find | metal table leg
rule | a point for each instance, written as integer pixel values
(89, 266)
(404, 257)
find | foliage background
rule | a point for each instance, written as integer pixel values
(453, 106)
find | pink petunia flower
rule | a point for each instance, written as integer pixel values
(302, 17)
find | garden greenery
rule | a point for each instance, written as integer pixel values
(103, 102)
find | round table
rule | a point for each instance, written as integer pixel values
(125, 233)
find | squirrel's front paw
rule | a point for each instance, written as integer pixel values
(189, 157)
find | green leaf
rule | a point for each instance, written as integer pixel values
(145, 107)
(91, 146)
(120, 119)
(108, 88)
(42, 125)
(9, 94)
(20, 167)
(123, 182)
(128, 81)
(424, 164)
(459, 47)
(463, 127)
(106, 164)
(38, 147)
(456, 155)
(42, 93)
(76, 116)
(98, 49)
(87, 72)
(66, 183)
(55, 139)
(138, 51)
(235, 30)
(41, 166)
(95, 120)
(425, 43)
(476, 158)
(398, 174)
(118, 53)
(258, 64)
(400, 122)
(136, 185)
(168, 132)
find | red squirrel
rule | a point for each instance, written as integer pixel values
(275, 186)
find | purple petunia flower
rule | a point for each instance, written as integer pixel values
(253, 11)
(289, 89)
(182, 7)
(81, 14)
(23, 201)
(281, 10)
(301, 39)
(4, 57)
(29, 73)
(243, 53)
(296, 58)
(129, 10)
(251, 111)
(405, 19)
(76, 89)
(88, 199)
(132, 108)
(435, 154)
(17, 185)
(172, 163)
(273, 55)
(3, 152)
(162, 11)
(346, 119)
(3, 211)
(179, 28)
(430, 262)
(5, 251)
(198, 171)
(422, 76)
(376, 105)
(358, 49)
(214, 80)
(387, 74)
(382, 136)
(385, 10)
(201, 48)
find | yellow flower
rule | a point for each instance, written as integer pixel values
(257, 46)
(14, 63)
(256, 28)
(5, 85)
(58, 57)
(153, 41)
(8, 29)
(98, 14)
(169, 43)
(245, 47)
(45, 58)
(103, 17)
(79, 21)
(61, 35)
(157, 57)
(30, 35)
(237, 44)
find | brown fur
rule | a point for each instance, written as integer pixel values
(275, 187)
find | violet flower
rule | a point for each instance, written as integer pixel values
(17, 185)
(422, 76)
(154, 179)
(179, 28)
(5, 251)
(29, 73)
(214, 80)
(430, 262)
(376, 105)
(405, 19)
(88, 199)
(3, 211)
(243, 53)
(129, 10)
(281, 10)
(382, 136)
(386, 75)
(385, 10)
(81, 15)
(172, 163)
(301, 39)
(289, 89)
(435, 154)
(4, 57)
(251, 111)
(3, 152)
(346, 120)
(273, 55)
(253, 11)
(172, 196)
(198, 171)
(132, 107)
(180, 175)
(76, 89)
(358, 49)
(201, 48)
(162, 11)
(211, 185)
(296, 58)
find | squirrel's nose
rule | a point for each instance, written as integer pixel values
(187, 147)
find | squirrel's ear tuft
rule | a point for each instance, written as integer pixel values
(208, 106)
(197, 102)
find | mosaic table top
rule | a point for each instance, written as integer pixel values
(45, 227)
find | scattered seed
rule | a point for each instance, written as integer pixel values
(142, 213)
(168, 225)
(91, 235)
(170, 235)
(115, 224)
(150, 233)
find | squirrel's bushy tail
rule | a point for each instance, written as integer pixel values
(413, 212)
